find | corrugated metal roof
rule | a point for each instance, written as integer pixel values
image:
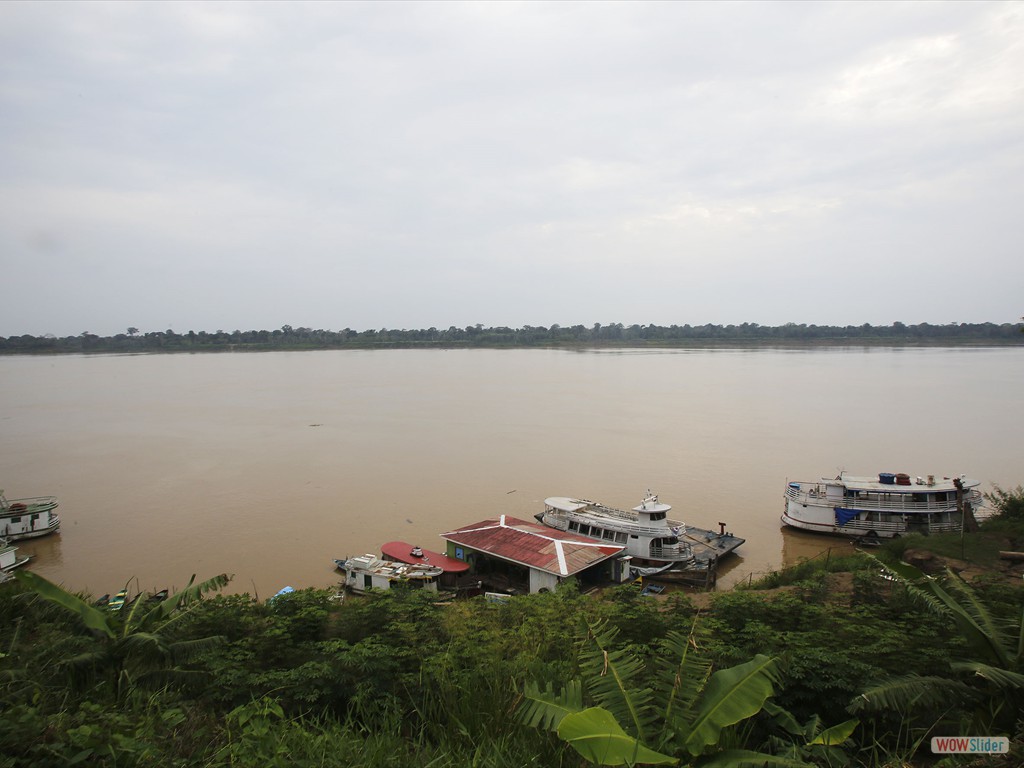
(533, 544)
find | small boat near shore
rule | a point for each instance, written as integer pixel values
(116, 603)
(9, 560)
(882, 506)
(28, 518)
(367, 572)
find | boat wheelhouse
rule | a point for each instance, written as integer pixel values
(655, 542)
(28, 518)
(368, 572)
(882, 506)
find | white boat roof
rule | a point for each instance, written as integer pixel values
(652, 506)
(566, 504)
(917, 484)
(373, 564)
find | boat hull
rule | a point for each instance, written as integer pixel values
(18, 535)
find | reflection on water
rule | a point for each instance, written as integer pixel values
(269, 465)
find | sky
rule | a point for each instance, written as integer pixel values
(236, 166)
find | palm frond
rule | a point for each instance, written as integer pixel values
(903, 694)
(995, 632)
(545, 709)
(613, 674)
(1001, 678)
(682, 675)
(975, 622)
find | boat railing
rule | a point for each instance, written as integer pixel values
(27, 503)
(901, 502)
(681, 552)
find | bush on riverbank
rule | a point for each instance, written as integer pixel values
(396, 679)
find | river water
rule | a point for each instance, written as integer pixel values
(269, 465)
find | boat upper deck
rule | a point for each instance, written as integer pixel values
(874, 484)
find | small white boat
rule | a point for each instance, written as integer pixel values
(28, 518)
(881, 506)
(9, 560)
(368, 572)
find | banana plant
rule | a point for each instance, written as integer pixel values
(135, 645)
(681, 715)
(810, 740)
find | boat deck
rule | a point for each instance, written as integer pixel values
(709, 546)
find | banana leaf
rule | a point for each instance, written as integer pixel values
(596, 735)
(91, 616)
(732, 695)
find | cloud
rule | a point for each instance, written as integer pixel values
(405, 165)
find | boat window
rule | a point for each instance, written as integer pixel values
(659, 515)
(15, 519)
(573, 525)
(620, 538)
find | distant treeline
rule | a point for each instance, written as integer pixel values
(615, 334)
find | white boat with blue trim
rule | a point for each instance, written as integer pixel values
(882, 506)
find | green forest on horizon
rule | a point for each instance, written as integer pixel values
(614, 334)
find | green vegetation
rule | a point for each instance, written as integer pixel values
(613, 335)
(852, 662)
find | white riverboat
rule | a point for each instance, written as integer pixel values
(882, 506)
(28, 518)
(367, 572)
(9, 560)
(655, 542)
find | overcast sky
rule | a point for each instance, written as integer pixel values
(206, 166)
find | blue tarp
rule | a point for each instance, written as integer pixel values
(843, 516)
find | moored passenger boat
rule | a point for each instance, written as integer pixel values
(28, 518)
(656, 544)
(882, 506)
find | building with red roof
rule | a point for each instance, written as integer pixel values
(530, 556)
